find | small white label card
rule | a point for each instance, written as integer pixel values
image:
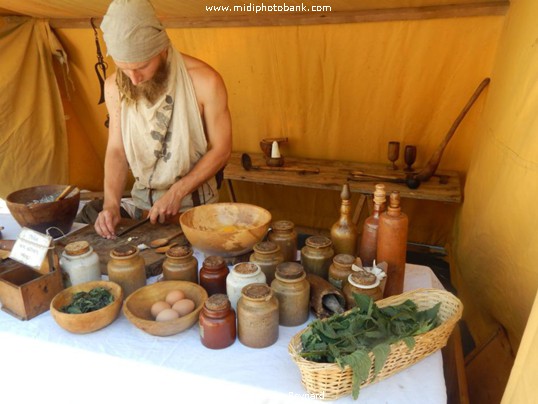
(31, 248)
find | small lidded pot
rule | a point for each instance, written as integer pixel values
(80, 263)
(283, 233)
(317, 255)
(241, 275)
(217, 322)
(127, 268)
(293, 293)
(267, 255)
(257, 316)
(340, 269)
(362, 282)
(180, 265)
(213, 275)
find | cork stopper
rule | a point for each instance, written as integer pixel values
(345, 260)
(214, 262)
(380, 194)
(283, 225)
(257, 291)
(394, 204)
(77, 248)
(289, 270)
(246, 268)
(217, 302)
(362, 278)
(345, 195)
(318, 242)
(124, 251)
(266, 247)
(179, 251)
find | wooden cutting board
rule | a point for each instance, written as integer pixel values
(141, 235)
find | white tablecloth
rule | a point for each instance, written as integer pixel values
(120, 363)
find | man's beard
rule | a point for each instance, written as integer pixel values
(150, 90)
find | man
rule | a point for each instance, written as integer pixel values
(169, 120)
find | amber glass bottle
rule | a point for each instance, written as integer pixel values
(344, 232)
(392, 244)
(368, 245)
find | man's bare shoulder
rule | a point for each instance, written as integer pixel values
(202, 74)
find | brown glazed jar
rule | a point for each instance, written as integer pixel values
(217, 322)
(213, 275)
(283, 233)
(340, 269)
(368, 245)
(344, 233)
(127, 268)
(257, 316)
(392, 244)
(293, 293)
(317, 255)
(180, 265)
(267, 255)
(361, 282)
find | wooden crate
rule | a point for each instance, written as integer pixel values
(26, 293)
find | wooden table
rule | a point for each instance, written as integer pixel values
(333, 174)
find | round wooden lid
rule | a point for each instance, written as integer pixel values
(77, 248)
(217, 302)
(179, 251)
(289, 270)
(318, 242)
(257, 291)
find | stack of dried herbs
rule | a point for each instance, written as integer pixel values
(348, 338)
(85, 302)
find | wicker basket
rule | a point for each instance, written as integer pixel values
(332, 382)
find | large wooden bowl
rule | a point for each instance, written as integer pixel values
(225, 229)
(42, 216)
(86, 322)
(137, 307)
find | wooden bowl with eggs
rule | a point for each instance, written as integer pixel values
(141, 307)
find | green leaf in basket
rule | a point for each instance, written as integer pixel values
(360, 363)
(381, 353)
(410, 342)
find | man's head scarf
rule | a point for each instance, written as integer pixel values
(132, 32)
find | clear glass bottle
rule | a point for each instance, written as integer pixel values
(361, 282)
(293, 293)
(257, 316)
(127, 268)
(392, 244)
(344, 233)
(180, 265)
(267, 255)
(241, 275)
(283, 233)
(80, 263)
(317, 255)
(368, 245)
(217, 322)
(340, 269)
(213, 275)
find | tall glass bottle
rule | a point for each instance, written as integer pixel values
(368, 245)
(344, 232)
(392, 244)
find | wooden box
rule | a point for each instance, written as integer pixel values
(26, 293)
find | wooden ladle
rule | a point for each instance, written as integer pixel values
(160, 242)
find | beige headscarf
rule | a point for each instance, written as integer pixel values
(132, 32)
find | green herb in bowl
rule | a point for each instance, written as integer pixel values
(86, 302)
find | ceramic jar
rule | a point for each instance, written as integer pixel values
(180, 265)
(317, 255)
(267, 255)
(362, 282)
(213, 275)
(257, 316)
(217, 322)
(293, 293)
(80, 263)
(340, 269)
(283, 233)
(126, 267)
(241, 275)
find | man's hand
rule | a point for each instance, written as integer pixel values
(106, 223)
(166, 206)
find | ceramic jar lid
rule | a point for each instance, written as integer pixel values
(77, 248)
(217, 302)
